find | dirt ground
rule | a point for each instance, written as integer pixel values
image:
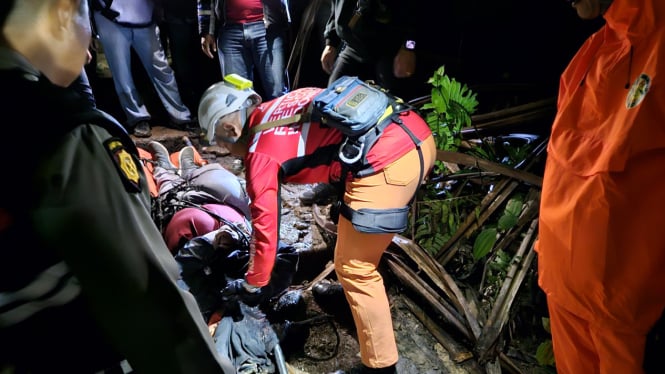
(329, 344)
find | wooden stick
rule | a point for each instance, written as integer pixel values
(440, 277)
(329, 269)
(465, 159)
(417, 285)
(487, 206)
(458, 353)
(504, 300)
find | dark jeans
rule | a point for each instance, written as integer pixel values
(194, 72)
(244, 48)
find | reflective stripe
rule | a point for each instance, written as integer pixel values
(53, 287)
(302, 142)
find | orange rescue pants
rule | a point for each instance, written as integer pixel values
(357, 254)
(581, 344)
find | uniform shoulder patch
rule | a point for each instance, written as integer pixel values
(125, 164)
(638, 91)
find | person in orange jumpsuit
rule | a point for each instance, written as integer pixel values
(306, 151)
(601, 249)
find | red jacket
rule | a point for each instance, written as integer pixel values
(301, 153)
(601, 246)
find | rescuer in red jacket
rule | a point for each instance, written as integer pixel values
(305, 151)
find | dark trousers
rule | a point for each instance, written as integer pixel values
(194, 72)
(376, 66)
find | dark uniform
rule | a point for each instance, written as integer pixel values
(85, 277)
(368, 34)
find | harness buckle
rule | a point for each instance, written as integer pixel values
(351, 151)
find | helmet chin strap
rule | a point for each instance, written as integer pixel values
(244, 135)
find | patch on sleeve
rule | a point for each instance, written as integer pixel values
(125, 164)
(638, 91)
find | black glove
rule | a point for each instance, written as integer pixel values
(239, 289)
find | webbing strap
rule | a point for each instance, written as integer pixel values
(279, 122)
(244, 235)
(352, 214)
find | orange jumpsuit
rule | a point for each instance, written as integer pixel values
(601, 248)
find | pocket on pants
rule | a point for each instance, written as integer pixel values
(403, 171)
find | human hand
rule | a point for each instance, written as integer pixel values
(404, 63)
(208, 45)
(328, 58)
(241, 290)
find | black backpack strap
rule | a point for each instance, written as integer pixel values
(366, 220)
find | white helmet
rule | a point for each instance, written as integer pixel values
(232, 94)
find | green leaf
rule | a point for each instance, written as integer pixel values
(484, 243)
(507, 222)
(438, 100)
(546, 324)
(514, 205)
(545, 353)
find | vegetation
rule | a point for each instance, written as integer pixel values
(480, 223)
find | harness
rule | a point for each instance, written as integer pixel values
(353, 159)
(166, 205)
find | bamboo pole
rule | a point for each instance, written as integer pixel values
(499, 314)
(417, 285)
(457, 352)
(517, 109)
(465, 159)
(440, 277)
(487, 206)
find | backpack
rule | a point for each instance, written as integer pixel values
(350, 105)
(360, 110)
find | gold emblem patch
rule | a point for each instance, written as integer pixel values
(638, 91)
(124, 162)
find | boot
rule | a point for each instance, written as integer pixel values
(161, 155)
(186, 159)
(330, 298)
(142, 130)
(321, 193)
(362, 369)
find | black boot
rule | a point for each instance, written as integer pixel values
(330, 297)
(142, 130)
(386, 370)
(161, 156)
(362, 369)
(321, 193)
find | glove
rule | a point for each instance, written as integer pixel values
(240, 290)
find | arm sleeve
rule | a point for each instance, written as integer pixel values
(204, 12)
(330, 30)
(263, 188)
(405, 18)
(102, 225)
